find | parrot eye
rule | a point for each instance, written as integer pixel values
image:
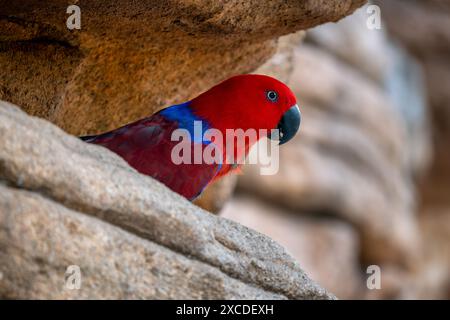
(272, 96)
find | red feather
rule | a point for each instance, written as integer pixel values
(240, 102)
(146, 145)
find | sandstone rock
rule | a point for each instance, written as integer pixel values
(217, 194)
(326, 248)
(430, 278)
(321, 79)
(131, 59)
(430, 42)
(373, 54)
(404, 85)
(41, 238)
(432, 34)
(354, 43)
(281, 64)
(66, 187)
(437, 70)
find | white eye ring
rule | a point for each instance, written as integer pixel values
(272, 96)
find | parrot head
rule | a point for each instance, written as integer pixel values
(250, 102)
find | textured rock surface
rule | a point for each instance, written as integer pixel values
(400, 79)
(65, 187)
(41, 238)
(430, 278)
(430, 44)
(131, 59)
(327, 249)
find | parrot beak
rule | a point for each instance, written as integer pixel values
(288, 125)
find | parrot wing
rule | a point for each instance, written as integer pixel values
(147, 146)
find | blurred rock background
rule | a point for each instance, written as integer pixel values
(366, 181)
(423, 28)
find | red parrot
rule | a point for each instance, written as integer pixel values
(246, 102)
